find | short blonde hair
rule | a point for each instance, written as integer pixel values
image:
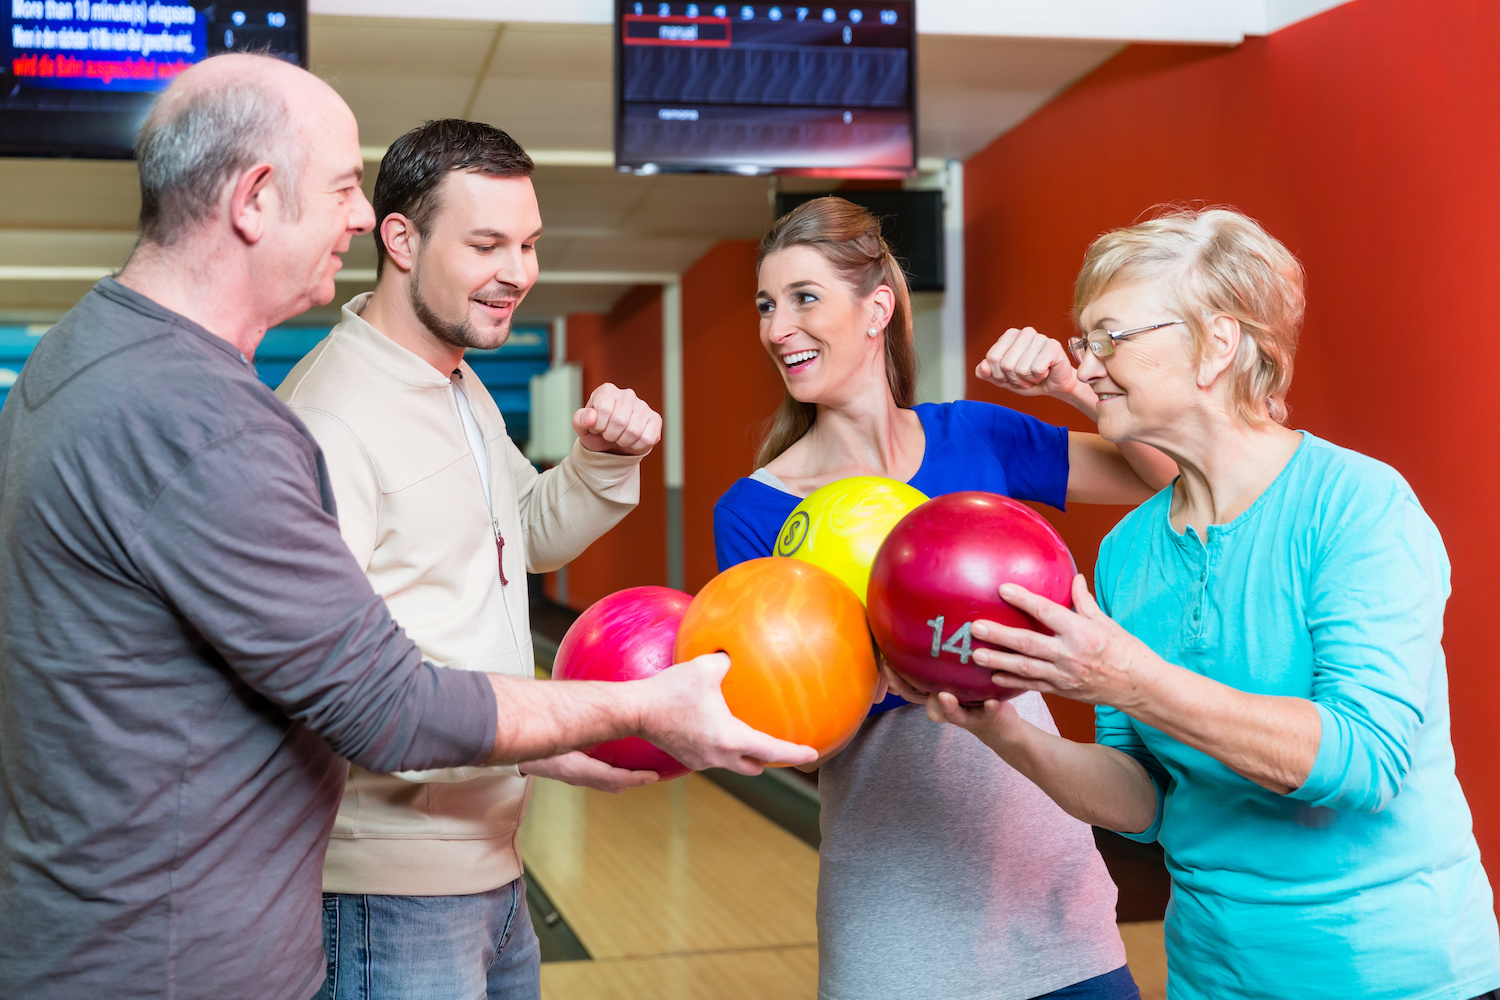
(1218, 262)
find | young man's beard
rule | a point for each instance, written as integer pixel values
(460, 334)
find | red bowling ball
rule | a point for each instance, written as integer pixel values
(626, 636)
(940, 569)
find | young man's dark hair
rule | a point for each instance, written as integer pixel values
(416, 164)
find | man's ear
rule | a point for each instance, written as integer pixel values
(1222, 348)
(250, 201)
(401, 239)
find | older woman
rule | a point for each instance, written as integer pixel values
(944, 874)
(1265, 654)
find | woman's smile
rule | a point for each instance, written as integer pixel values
(799, 361)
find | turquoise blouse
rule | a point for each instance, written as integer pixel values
(1366, 881)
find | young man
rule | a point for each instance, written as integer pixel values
(424, 894)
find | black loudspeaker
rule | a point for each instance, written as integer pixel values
(912, 223)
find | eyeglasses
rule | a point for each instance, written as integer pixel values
(1101, 343)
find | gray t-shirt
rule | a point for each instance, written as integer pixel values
(947, 875)
(188, 655)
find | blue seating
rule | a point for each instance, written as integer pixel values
(506, 371)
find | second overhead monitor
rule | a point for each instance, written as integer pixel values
(763, 88)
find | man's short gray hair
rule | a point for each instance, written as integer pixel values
(193, 143)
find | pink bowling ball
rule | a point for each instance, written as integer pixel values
(626, 636)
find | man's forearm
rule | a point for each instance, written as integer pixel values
(538, 719)
(681, 710)
(571, 505)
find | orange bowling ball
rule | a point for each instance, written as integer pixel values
(802, 665)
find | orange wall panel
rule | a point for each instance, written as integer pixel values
(1368, 140)
(624, 347)
(730, 388)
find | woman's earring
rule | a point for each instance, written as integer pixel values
(874, 331)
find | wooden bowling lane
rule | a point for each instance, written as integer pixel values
(677, 890)
(753, 975)
(1147, 957)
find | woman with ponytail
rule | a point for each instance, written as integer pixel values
(944, 873)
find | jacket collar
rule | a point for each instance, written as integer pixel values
(383, 352)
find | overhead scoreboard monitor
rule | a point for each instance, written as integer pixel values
(766, 88)
(77, 77)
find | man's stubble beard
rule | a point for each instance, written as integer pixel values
(461, 334)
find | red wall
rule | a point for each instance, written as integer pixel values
(624, 347)
(730, 388)
(1368, 140)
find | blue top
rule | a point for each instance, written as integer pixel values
(970, 446)
(1365, 882)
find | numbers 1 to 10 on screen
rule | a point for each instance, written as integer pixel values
(749, 13)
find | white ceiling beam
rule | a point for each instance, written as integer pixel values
(606, 278)
(364, 275)
(606, 158)
(55, 273)
(1280, 13)
(1222, 22)
(541, 157)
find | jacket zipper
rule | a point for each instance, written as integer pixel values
(489, 504)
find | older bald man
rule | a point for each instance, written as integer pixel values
(190, 655)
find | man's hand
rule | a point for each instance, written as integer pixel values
(1031, 364)
(578, 768)
(683, 711)
(615, 420)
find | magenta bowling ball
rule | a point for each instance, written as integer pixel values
(627, 636)
(940, 570)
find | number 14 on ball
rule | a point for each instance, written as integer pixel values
(961, 642)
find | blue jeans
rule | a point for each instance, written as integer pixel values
(479, 947)
(1116, 985)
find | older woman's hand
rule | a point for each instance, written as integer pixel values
(900, 686)
(995, 722)
(1272, 740)
(1094, 783)
(1088, 658)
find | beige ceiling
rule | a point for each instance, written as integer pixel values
(550, 86)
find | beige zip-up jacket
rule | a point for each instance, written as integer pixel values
(412, 510)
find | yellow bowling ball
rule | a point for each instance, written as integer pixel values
(840, 527)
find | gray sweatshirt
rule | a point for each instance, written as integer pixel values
(188, 656)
